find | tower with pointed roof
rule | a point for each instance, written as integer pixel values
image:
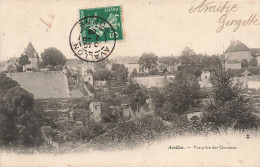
(33, 58)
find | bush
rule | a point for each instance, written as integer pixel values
(229, 108)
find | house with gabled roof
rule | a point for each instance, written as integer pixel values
(237, 52)
(33, 58)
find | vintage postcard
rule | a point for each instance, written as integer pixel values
(95, 83)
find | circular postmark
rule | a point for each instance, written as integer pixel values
(90, 39)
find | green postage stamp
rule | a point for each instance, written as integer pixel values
(113, 27)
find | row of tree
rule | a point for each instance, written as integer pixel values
(51, 58)
(188, 58)
(228, 106)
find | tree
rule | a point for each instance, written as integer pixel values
(52, 56)
(101, 65)
(6, 83)
(102, 75)
(244, 63)
(229, 108)
(253, 62)
(112, 115)
(153, 72)
(136, 96)
(209, 62)
(168, 60)
(187, 52)
(20, 106)
(8, 132)
(23, 60)
(59, 67)
(148, 60)
(133, 73)
(182, 92)
(11, 68)
(158, 98)
(120, 72)
(190, 62)
(20, 124)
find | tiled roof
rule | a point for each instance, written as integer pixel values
(236, 46)
(30, 51)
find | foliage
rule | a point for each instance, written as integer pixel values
(90, 87)
(81, 105)
(20, 124)
(11, 68)
(158, 98)
(153, 72)
(230, 108)
(50, 67)
(168, 60)
(26, 122)
(136, 96)
(182, 92)
(101, 65)
(198, 63)
(52, 56)
(254, 71)
(8, 132)
(23, 60)
(134, 73)
(253, 62)
(59, 67)
(244, 63)
(6, 83)
(236, 72)
(148, 128)
(112, 114)
(102, 75)
(148, 60)
(120, 72)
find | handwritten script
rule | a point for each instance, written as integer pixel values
(225, 8)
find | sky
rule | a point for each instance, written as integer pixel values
(161, 27)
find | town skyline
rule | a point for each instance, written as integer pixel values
(169, 37)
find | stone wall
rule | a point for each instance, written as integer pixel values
(51, 84)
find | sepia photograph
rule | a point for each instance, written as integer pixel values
(130, 83)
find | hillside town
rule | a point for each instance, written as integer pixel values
(80, 104)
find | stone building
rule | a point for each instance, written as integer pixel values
(33, 58)
(132, 66)
(153, 81)
(88, 77)
(95, 108)
(237, 52)
(205, 80)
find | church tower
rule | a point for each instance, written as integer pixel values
(33, 58)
